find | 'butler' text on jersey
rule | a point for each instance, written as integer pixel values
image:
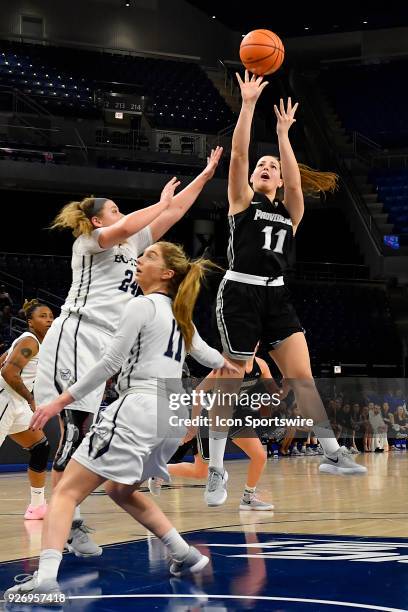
(261, 238)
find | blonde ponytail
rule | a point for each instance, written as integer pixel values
(74, 216)
(315, 182)
(184, 286)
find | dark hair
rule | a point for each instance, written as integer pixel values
(30, 306)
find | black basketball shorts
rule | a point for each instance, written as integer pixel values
(248, 313)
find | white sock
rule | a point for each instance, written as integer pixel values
(248, 491)
(217, 442)
(50, 560)
(178, 547)
(327, 439)
(37, 496)
(77, 514)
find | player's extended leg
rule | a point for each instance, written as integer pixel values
(258, 458)
(37, 445)
(72, 427)
(197, 470)
(185, 559)
(292, 358)
(225, 389)
(75, 485)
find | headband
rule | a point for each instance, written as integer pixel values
(97, 207)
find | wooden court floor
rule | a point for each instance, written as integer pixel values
(306, 502)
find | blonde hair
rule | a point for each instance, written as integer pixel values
(184, 286)
(75, 216)
(315, 182)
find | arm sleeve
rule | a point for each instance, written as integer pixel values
(204, 354)
(137, 313)
(141, 240)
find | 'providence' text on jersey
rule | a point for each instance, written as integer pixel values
(261, 238)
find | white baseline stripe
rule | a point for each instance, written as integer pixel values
(327, 602)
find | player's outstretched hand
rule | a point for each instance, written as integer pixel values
(167, 194)
(285, 117)
(251, 88)
(212, 163)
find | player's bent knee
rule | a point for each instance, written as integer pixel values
(39, 454)
(119, 493)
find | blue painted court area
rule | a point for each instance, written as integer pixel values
(247, 571)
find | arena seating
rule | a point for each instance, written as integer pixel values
(366, 98)
(340, 318)
(65, 81)
(392, 187)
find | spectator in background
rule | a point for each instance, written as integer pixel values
(356, 425)
(343, 419)
(5, 316)
(401, 400)
(379, 441)
(400, 425)
(363, 425)
(5, 299)
(388, 419)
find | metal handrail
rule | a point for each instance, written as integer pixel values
(50, 298)
(30, 102)
(19, 286)
(312, 103)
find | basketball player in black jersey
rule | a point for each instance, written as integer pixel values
(253, 303)
(257, 380)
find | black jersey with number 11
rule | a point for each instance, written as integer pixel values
(261, 238)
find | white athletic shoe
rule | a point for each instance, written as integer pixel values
(79, 541)
(251, 502)
(27, 584)
(341, 463)
(216, 489)
(194, 562)
(155, 485)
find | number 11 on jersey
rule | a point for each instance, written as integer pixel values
(281, 234)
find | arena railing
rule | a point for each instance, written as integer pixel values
(313, 109)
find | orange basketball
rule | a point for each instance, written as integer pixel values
(262, 52)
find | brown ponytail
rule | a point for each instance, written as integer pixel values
(315, 182)
(184, 286)
(75, 216)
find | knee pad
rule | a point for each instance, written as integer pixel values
(73, 421)
(39, 453)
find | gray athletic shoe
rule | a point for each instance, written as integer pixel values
(319, 450)
(79, 541)
(296, 452)
(310, 452)
(155, 485)
(27, 584)
(341, 463)
(194, 562)
(216, 489)
(251, 502)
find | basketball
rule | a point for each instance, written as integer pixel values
(262, 52)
